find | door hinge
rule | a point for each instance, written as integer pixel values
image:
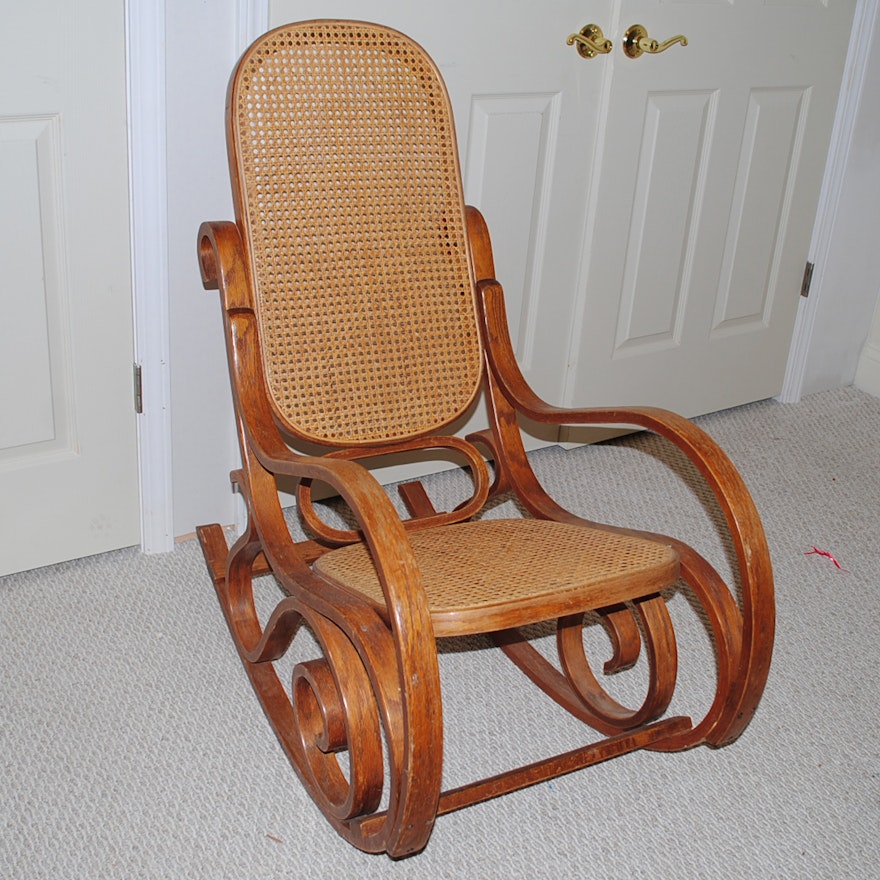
(138, 389)
(808, 279)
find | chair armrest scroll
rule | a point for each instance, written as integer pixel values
(223, 263)
(699, 447)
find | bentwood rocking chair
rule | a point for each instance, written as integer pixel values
(362, 318)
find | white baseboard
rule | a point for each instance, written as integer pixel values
(868, 373)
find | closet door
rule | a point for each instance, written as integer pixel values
(68, 448)
(708, 176)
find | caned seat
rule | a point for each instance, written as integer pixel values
(540, 570)
(362, 319)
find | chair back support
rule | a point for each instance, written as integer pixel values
(348, 195)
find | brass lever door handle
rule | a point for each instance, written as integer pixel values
(636, 41)
(590, 41)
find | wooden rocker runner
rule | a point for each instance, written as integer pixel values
(362, 318)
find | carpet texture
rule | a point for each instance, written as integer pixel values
(131, 745)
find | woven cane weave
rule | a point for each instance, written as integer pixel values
(472, 569)
(352, 207)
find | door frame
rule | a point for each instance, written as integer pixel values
(145, 77)
(845, 118)
(145, 64)
(145, 74)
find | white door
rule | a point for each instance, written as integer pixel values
(68, 454)
(650, 216)
(707, 185)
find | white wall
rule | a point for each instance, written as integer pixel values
(868, 373)
(849, 280)
(200, 53)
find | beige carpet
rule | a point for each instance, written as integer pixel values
(131, 745)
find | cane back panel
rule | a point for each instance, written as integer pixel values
(349, 195)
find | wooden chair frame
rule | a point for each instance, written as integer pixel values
(375, 692)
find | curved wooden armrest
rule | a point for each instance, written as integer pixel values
(698, 446)
(382, 526)
(696, 443)
(728, 487)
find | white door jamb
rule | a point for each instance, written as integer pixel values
(829, 196)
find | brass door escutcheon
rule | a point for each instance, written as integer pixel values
(590, 41)
(636, 41)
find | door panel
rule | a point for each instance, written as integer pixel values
(68, 455)
(531, 122)
(765, 176)
(34, 351)
(665, 214)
